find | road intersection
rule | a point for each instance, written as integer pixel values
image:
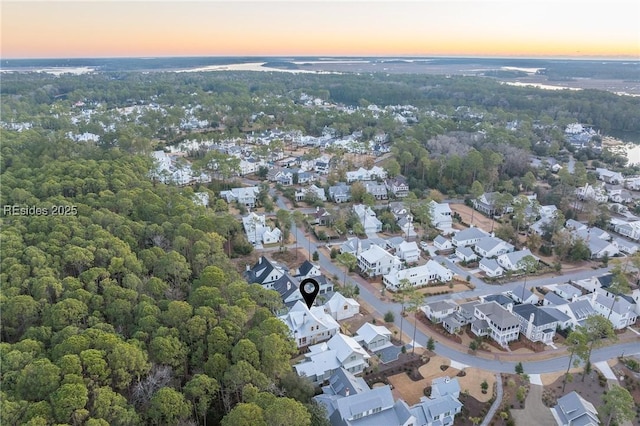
(504, 363)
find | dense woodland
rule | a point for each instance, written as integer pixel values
(128, 310)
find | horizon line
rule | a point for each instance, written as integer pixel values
(340, 56)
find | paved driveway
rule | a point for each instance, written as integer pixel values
(535, 413)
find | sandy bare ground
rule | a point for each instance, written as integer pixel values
(479, 220)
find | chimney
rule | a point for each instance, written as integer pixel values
(247, 267)
(593, 296)
(260, 260)
(530, 325)
(288, 285)
(346, 392)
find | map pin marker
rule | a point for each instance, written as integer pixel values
(308, 293)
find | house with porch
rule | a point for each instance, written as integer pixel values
(309, 326)
(326, 358)
(377, 261)
(245, 196)
(439, 310)
(378, 190)
(418, 276)
(495, 321)
(536, 324)
(441, 216)
(397, 186)
(340, 193)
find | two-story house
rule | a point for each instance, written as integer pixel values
(398, 186)
(438, 311)
(441, 216)
(495, 321)
(367, 218)
(245, 196)
(378, 190)
(265, 272)
(536, 324)
(619, 310)
(326, 358)
(309, 326)
(408, 251)
(340, 193)
(377, 261)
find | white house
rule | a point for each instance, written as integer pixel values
(367, 174)
(245, 196)
(536, 324)
(324, 359)
(625, 246)
(588, 192)
(630, 229)
(258, 232)
(491, 267)
(468, 237)
(265, 272)
(377, 261)
(492, 247)
(513, 261)
(441, 243)
(438, 311)
(441, 216)
(619, 310)
(568, 292)
(367, 218)
(609, 176)
(309, 326)
(373, 337)
(408, 251)
(418, 276)
(495, 321)
(341, 308)
(466, 254)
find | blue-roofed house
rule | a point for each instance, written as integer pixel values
(574, 410)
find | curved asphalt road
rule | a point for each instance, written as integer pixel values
(494, 365)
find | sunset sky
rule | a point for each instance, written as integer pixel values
(134, 28)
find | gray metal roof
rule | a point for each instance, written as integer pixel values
(498, 315)
(540, 317)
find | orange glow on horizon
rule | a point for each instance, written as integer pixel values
(430, 28)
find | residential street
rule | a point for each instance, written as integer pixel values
(507, 362)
